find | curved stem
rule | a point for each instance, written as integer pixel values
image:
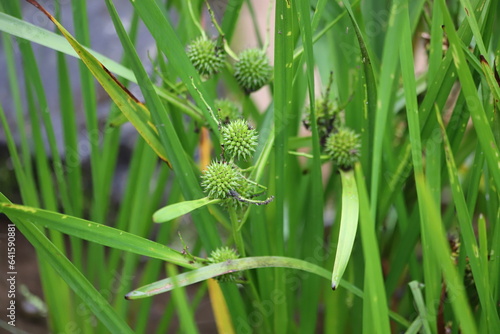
(196, 23)
(230, 51)
(214, 21)
(215, 118)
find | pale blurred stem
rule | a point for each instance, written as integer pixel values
(253, 16)
(214, 21)
(228, 50)
(268, 25)
(238, 239)
(195, 21)
(215, 118)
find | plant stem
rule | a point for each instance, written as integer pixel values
(238, 239)
(195, 21)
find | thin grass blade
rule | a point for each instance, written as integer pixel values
(432, 225)
(477, 263)
(134, 110)
(184, 310)
(219, 305)
(74, 278)
(419, 302)
(478, 115)
(375, 300)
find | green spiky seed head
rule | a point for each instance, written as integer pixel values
(220, 178)
(344, 147)
(207, 57)
(252, 71)
(239, 139)
(223, 254)
(327, 117)
(228, 110)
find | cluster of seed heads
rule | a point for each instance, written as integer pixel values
(252, 70)
(224, 179)
(338, 141)
(223, 254)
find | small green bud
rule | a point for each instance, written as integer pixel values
(220, 178)
(228, 110)
(343, 146)
(223, 254)
(252, 71)
(239, 139)
(207, 57)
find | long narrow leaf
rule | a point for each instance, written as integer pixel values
(433, 225)
(478, 115)
(373, 281)
(477, 263)
(97, 233)
(231, 266)
(80, 285)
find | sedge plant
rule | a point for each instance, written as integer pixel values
(261, 187)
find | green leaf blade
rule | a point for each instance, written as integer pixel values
(97, 233)
(176, 210)
(348, 225)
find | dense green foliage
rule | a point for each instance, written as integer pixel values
(408, 109)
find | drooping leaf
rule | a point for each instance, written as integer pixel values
(348, 225)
